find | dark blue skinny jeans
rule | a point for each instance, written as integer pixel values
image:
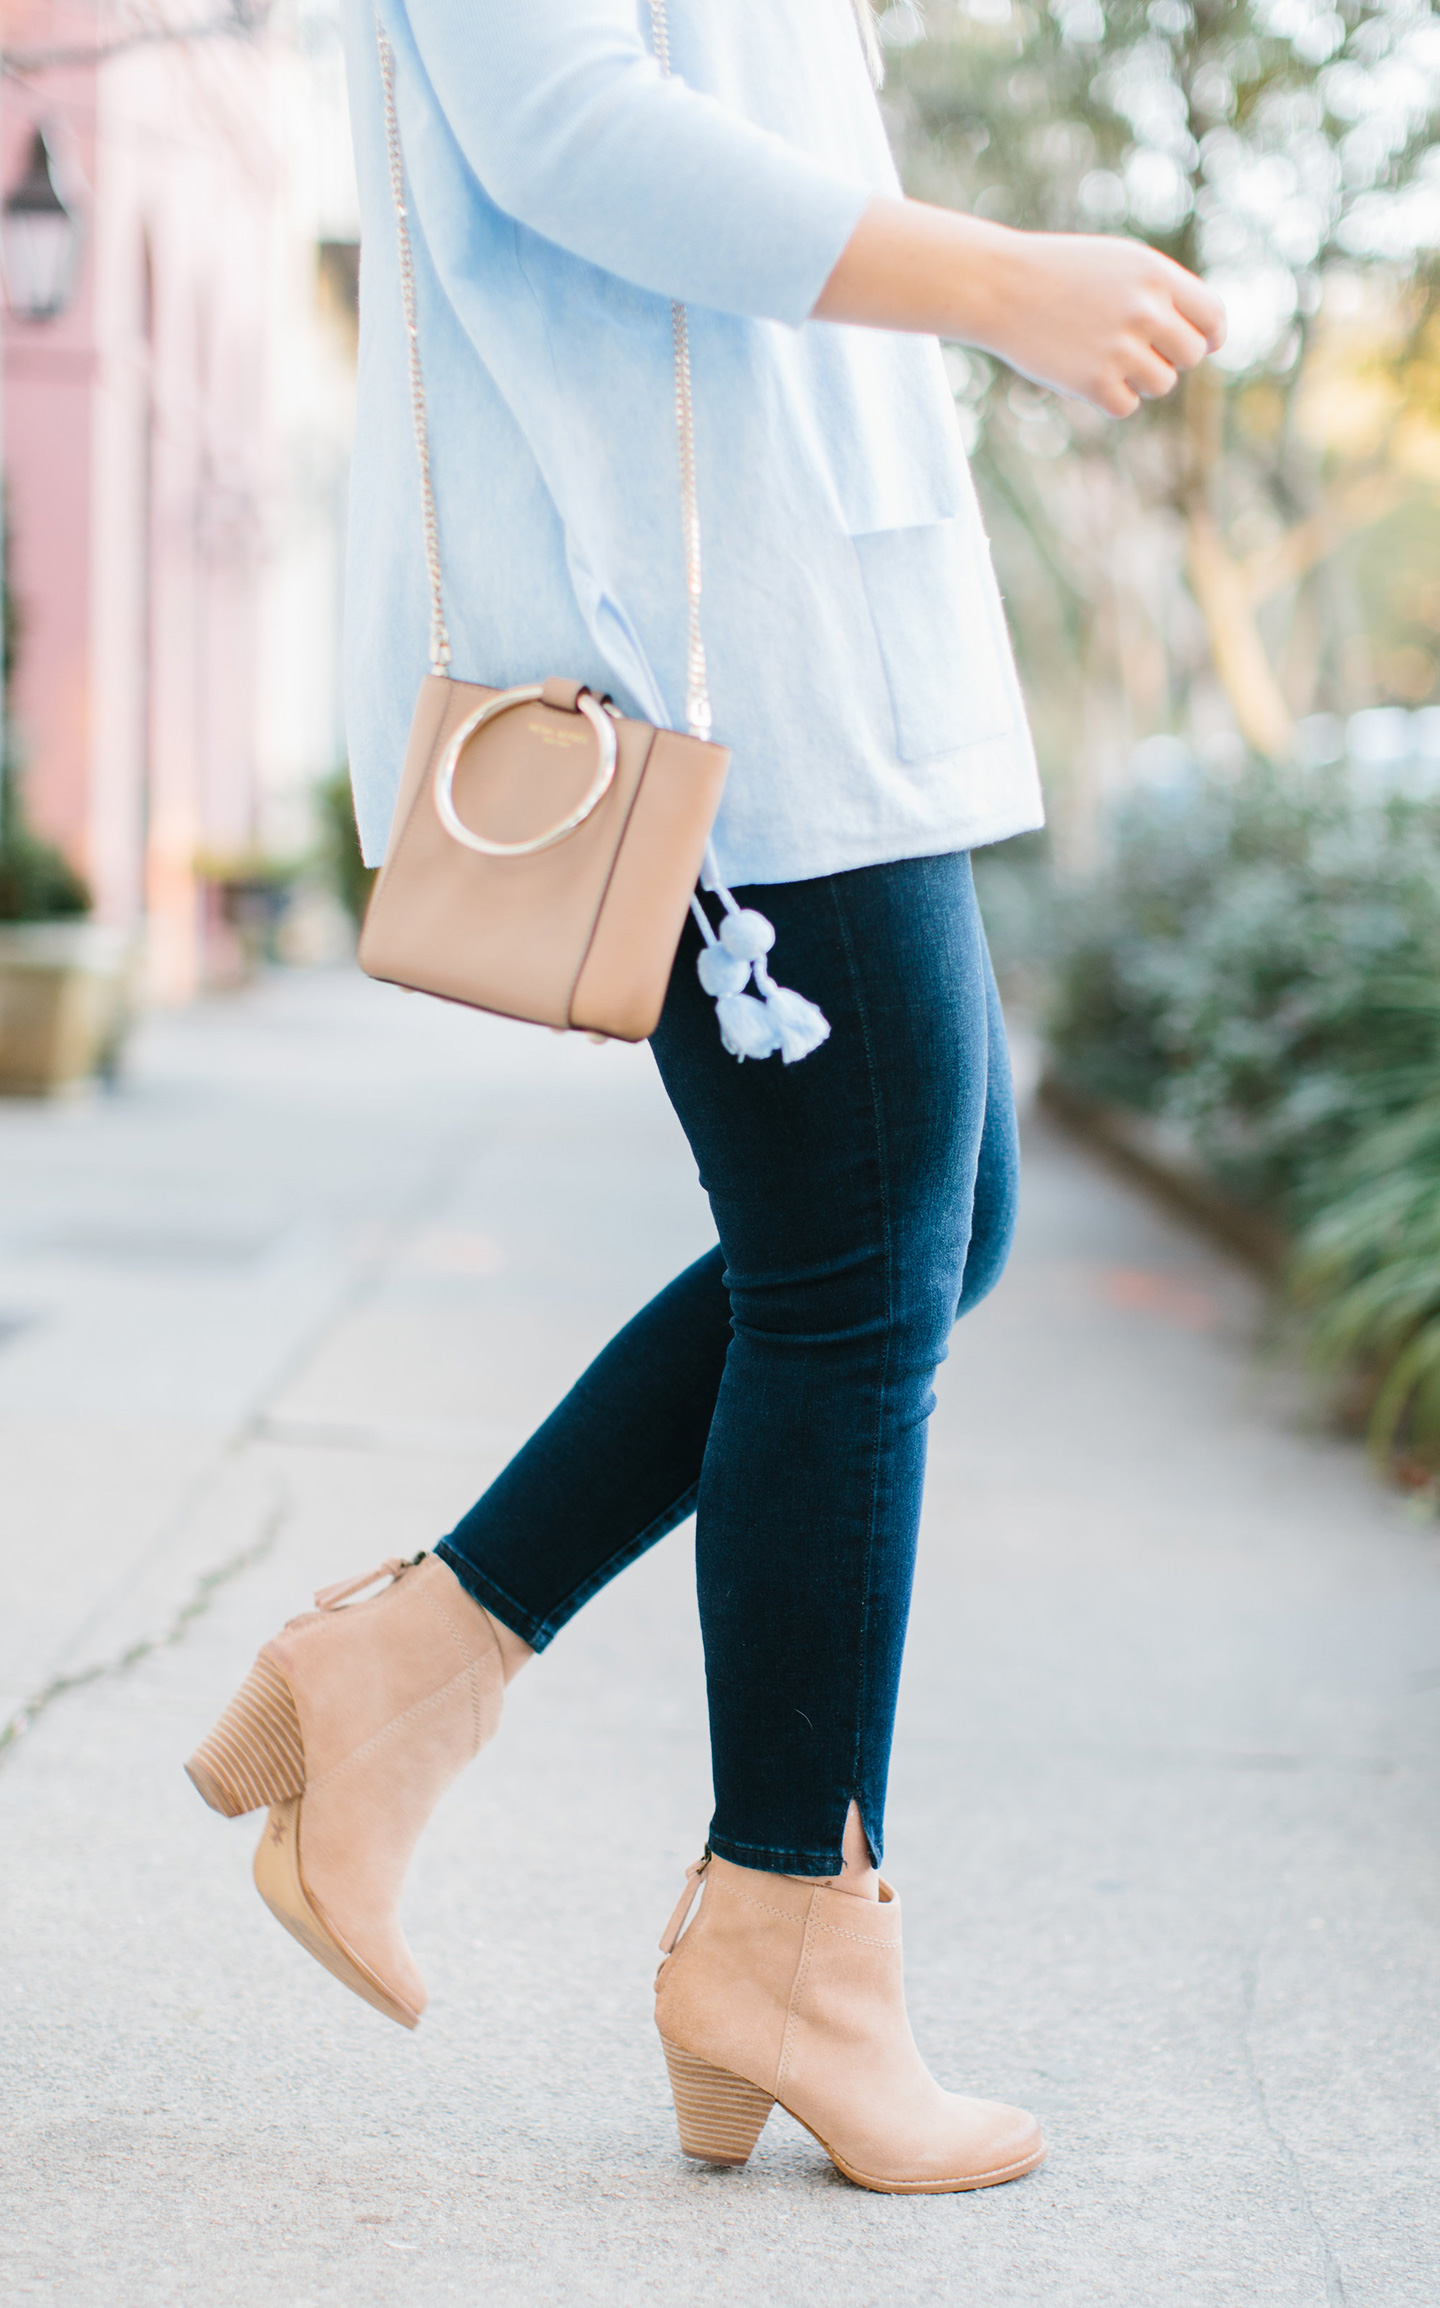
(780, 1387)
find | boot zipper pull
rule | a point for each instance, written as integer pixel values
(327, 1598)
(686, 1901)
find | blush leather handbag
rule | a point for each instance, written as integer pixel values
(545, 848)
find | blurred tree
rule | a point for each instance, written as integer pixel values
(1286, 149)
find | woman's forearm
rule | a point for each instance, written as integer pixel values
(1100, 317)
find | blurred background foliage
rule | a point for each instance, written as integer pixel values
(1264, 545)
(1227, 612)
(1257, 962)
(350, 878)
(36, 882)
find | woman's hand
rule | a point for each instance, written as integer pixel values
(1103, 319)
(1097, 317)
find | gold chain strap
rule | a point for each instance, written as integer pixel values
(697, 687)
(697, 693)
(439, 636)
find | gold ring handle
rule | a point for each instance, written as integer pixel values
(604, 728)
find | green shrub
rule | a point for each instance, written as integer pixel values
(37, 884)
(1260, 961)
(1247, 964)
(350, 878)
(1367, 1273)
(1015, 886)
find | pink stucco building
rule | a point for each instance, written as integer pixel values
(174, 450)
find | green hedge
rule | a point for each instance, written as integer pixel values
(1259, 960)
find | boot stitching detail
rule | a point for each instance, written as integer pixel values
(792, 2015)
(387, 1730)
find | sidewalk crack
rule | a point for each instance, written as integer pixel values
(1335, 2293)
(196, 1604)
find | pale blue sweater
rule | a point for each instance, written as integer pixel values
(561, 194)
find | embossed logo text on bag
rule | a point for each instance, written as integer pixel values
(553, 736)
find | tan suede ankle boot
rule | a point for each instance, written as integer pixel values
(351, 1725)
(783, 1990)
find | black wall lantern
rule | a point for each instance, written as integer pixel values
(39, 240)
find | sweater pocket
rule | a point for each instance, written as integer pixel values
(941, 634)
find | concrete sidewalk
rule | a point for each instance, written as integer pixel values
(1163, 1803)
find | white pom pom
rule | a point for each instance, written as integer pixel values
(800, 1025)
(747, 933)
(746, 1026)
(721, 973)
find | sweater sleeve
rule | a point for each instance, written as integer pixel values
(563, 116)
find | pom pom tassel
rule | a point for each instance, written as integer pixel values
(721, 973)
(751, 1027)
(799, 1026)
(746, 1027)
